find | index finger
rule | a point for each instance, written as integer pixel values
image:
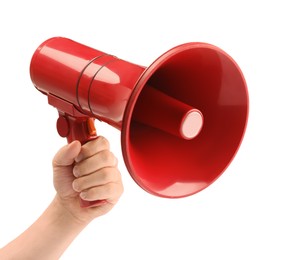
(93, 147)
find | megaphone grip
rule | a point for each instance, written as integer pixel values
(83, 130)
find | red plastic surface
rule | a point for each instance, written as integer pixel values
(83, 83)
(207, 78)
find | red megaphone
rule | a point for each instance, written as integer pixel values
(182, 119)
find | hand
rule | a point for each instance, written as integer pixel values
(87, 172)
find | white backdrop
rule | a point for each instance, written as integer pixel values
(238, 217)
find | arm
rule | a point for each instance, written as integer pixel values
(89, 172)
(47, 238)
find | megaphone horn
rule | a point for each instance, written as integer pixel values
(182, 119)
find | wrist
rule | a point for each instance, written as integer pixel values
(67, 214)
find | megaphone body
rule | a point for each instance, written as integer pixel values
(182, 119)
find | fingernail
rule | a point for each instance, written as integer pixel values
(75, 186)
(76, 171)
(79, 158)
(83, 195)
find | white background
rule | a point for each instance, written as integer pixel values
(238, 217)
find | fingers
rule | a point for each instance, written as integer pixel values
(110, 192)
(67, 154)
(97, 161)
(93, 147)
(98, 178)
(96, 172)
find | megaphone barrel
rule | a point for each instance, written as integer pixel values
(182, 119)
(96, 83)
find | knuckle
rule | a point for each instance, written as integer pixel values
(102, 142)
(109, 175)
(110, 189)
(86, 152)
(108, 157)
(106, 175)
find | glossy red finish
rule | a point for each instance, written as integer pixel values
(207, 78)
(95, 83)
(148, 105)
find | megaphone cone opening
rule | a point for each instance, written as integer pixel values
(205, 78)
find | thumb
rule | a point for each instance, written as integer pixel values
(67, 154)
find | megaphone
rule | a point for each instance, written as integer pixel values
(182, 119)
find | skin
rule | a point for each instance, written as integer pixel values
(87, 172)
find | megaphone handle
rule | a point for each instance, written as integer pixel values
(83, 130)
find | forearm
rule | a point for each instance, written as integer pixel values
(47, 238)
